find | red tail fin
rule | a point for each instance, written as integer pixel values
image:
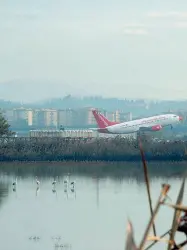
(101, 120)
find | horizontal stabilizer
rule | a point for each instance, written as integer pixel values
(94, 129)
(97, 129)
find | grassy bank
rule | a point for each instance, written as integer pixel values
(106, 150)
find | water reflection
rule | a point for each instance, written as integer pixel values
(57, 171)
(4, 190)
(91, 208)
(37, 190)
(69, 191)
(54, 190)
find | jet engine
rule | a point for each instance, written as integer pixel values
(156, 128)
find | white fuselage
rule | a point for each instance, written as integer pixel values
(136, 125)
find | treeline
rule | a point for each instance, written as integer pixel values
(111, 150)
(137, 107)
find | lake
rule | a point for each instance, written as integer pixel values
(91, 216)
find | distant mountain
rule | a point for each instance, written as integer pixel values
(21, 92)
(24, 91)
(8, 104)
(33, 90)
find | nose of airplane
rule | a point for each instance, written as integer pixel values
(180, 118)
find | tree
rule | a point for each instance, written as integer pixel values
(4, 127)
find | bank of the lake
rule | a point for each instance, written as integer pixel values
(90, 150)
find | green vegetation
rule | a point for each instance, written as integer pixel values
(4, 127)
(111, 150)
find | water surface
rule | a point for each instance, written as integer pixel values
(92, 216)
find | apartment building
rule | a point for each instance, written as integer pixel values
(21, 116)
(38, 118)
(65, 117)
(52, 118)
(123, 116)
(84, 117)
(111, 116)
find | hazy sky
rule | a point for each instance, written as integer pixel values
(113, 48)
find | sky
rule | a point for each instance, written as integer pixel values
(113, 48)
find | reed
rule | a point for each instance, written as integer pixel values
(178, 208)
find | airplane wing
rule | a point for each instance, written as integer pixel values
(144, 129)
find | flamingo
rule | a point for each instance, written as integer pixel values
(73, 184)
(14, 183)
(66, 181)
(37, 181)
(54, 183)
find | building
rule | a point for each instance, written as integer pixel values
(64, 134)
(84, 117)
(22, 117)
(111, 116)
(123, 116)
(81, 117)
(65, 117)
(90, 117)
(38, 118)
(50, 117)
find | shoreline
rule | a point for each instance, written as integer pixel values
(94, 163)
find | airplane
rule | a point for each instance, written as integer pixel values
(153, 123)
